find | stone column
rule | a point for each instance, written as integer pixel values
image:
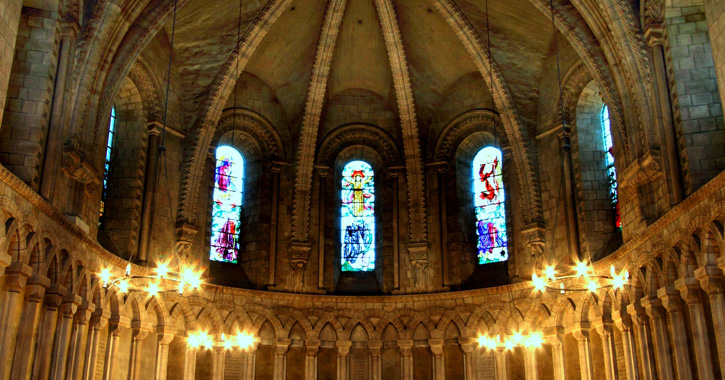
(280, 359)
(25, 343)
(77, 354)
(189, 364)
(149, 195)
(570, 206)
(673, 304)
(62, 342)
(604, 329)
(9, 21)
(312, 347)
(581, 333)
(406, 358)
(218, 357)
(443, 220)
(654, 35)
(376, 364)
(501, 364)
(624, 323)
(556, 339)
(530, 364)
(321, 188)
(343, 359)
(97, 323)
(16, 276)
(250, 355)
(165, 335)
(643, 339)
(117, 324)
(712, 282)
(394, 175)
(439, 368)
(692, 295)
(53, 298)
(273, 226)
(138, 335)
(468, 346)
(660, 341)
(56, 133)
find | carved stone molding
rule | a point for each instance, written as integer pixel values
(255, 125)
(371, 135)
(299, 256)
(185, 234)
(78, 168)
(641, 172)
(533, 235)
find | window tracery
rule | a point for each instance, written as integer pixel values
(488, 200)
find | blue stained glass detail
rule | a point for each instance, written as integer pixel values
(488, 201)
(611, 170)
(357, 221)
(227, 205)
(107, 165)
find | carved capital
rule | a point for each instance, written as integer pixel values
(533, 235)
(165, 338)
(100, 318)
(54, 296)
(622, 320)
(281, 346)
(406, 348)
(75, 165)
(84, 313)
(554, 335)
(638, 314)
(5, 261)
(343, 347)
(436, 346)
(642, 171)
(580, 331)
(69, 29)
(468, 344)
(312, 347)
(711, 279)
(375, 348)
(689, 290)
(671, 300)
(652, 306)
(70, 305)
(603, 327)
(16, 276)
(654, 34)
(36, 287)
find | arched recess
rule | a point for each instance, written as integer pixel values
(121, 222)
(457, 145)
(377, 148)
(260, 146)
(599, 234)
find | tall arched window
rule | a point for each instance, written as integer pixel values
(227, 206)
(488, 200)
(357, 217)
(611, 170)
(107, 165)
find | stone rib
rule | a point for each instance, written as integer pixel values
(406, 106)
(310, 123)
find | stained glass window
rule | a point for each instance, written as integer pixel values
(611, 170)
(227, 206)
(357, 222)
(107, 165)
(488, 200)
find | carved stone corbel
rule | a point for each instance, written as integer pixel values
(534, 237)
(642, 171)
(419, 265)
(299, 256)
(185, 234)
(75, 165)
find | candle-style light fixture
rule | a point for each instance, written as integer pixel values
(532, 340)
(202, 340)
(583, 279)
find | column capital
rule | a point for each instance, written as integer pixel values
(166, 330)
(322, 170)
(580, 331)
(165, 338)
(70, 305)
(312, 347)
(654, 34)
(670, 297)
(343, 347)
(16, 276)
(84, 313)
(5, 261)
(603, 327)
(554, 335)
(100, 318)
(468, 344)
(281, 346)
(36, 287)
(138, 334)
(436, 346)
(54, 296)
(375, 347)
(653, 306)
(622, 320)
(711, 279)
(690, 290)
(117, 323)
(69, 29)
(406, 347)
(638, 314)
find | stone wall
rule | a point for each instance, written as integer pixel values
(10, 16)
(715, 11)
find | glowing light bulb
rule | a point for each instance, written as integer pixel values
(582, 269)
(105, 276)
(592, 287)
(539, 283)
(123, 287)
(245, 340)
(612, 271)
(128, 269)
(181, 288)
(153, 289)
(618, 282)
(517, 338)
(561, 287)
(226, 343)
(534, 340)
(508, 345)
(626, 275)
(162, 270)
(550, 272)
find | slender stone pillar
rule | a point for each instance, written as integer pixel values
(53, 298)
(673, 304)
(376, 364)
(321, 189)
(62, 341)
(570, 206)
(468, 346)
(165, 335)
(137, 337)
(312, 347)
(280, 359)
(97, 323)
(581, 333)
(530, 364)
(623, 322)
(189, 364)
(556, 339)
(660, 340)
(16, 276)
(250, 356)
(117, 324)
(343, 359)
(149, 196)
(604, 329)
(25, 343)
(643, 339)
(436, 348)
(712, 282)
(218, 358)
(271, 281)
(443, 220)
(9, 22)
(501, 364)
(406, 358)
(692, 295)
(77, 353)
(56, 131)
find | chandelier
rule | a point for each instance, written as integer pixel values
(202, 340)
(583, 279)
(163, 281)
(531, 340)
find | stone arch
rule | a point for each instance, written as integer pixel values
(254, 125)
(367, 135)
